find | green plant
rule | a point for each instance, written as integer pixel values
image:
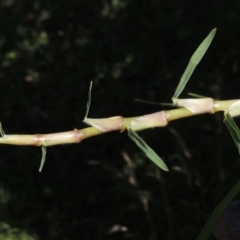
(187, 107)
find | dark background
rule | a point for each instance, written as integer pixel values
(104, 187)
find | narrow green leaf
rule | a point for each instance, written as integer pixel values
(218, 211)
(44, 150)
(195, 59)
(196, 95)
(2, 133)
(88, 101)
(147, 150)
(233, 129)
(154, 103)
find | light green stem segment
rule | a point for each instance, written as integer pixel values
(100, 126)
(37, 140)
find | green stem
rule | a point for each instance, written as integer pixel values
(100, 126)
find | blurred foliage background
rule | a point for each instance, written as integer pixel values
(104, 187)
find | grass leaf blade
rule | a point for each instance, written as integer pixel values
(147, 150)
(233, 129)
(154, 103)
(44, 151)
(218, 211)
(196, 95)
(2, 133)
(88, 101)
(195, 59)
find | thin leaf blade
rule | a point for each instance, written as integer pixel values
(88, 101)
(2, 133)
(196, 95)
(147, 150)
(154, 103)
(195, 59)
(233, 129)
(218, 211)
(44, 151)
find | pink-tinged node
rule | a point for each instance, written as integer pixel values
(157, 119)
(105, 124)
(197, 106)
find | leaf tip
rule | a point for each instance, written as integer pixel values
(43, 158)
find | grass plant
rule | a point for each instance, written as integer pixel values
(184, 108)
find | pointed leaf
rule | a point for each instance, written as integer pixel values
(154, 103)
(147, 150)
(196, 95)
(2, 133)
(88, 101)
(195, 59)
(44, 150)
(207, 229)
(233, 129)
